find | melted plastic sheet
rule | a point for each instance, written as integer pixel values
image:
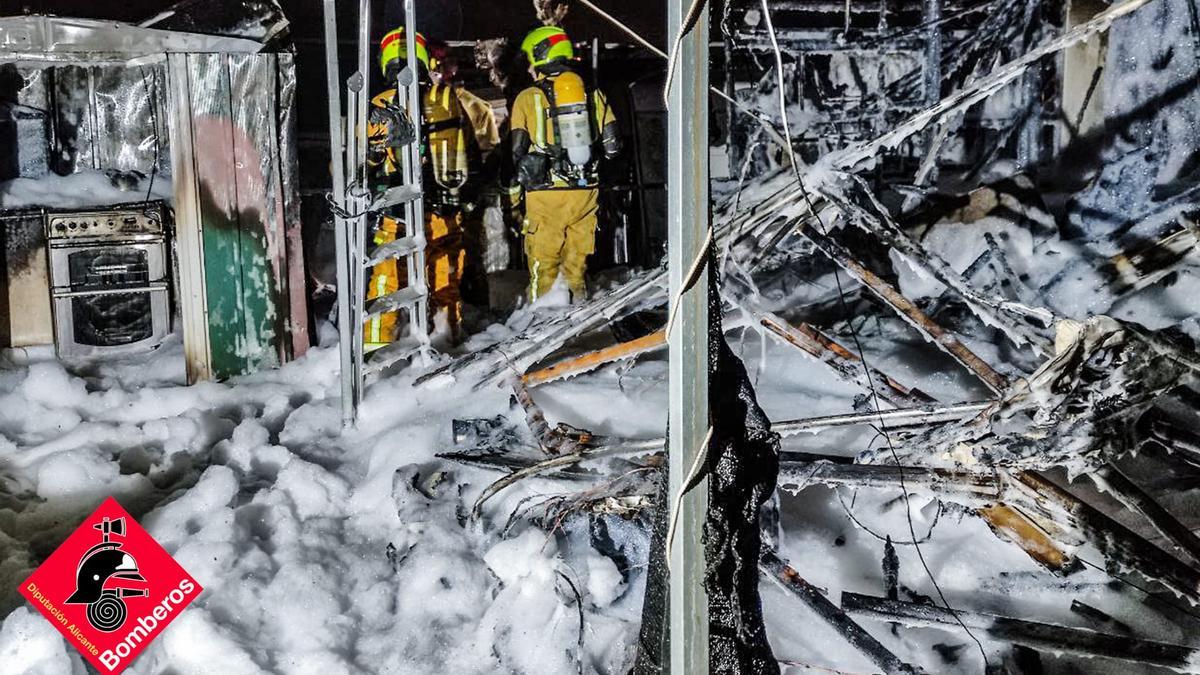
(69, 39)
(258, 20)
(743, 465)
(79, 94)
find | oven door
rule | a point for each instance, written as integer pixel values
(102, 267)
(89, 323)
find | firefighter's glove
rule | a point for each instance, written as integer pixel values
(533, 170)
(511, 202)
(611, 141)
(513, 194)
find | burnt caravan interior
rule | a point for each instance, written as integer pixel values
(903, 380)
(143, 166)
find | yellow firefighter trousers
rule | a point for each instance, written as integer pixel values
(445, 259)
(560, 231)
(380, 329)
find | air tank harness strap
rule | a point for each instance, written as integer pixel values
(567, 109)
(441, 125)
(539, 114)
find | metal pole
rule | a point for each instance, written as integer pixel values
(360, 83)
(688, 206)
(415, 209)
(933, 51)
(1028, 143)
(341, 227)
(732, 153)
(933, 73)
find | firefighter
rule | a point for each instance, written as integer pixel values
(473, 287)
(449, 157)
(477, 110)
(389, 128)
(555, 126)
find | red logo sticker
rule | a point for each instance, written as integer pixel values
(110, 589)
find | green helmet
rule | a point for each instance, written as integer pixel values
(547, 44)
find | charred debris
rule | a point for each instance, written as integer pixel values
(906, 119)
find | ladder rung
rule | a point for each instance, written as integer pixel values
(393, 249)
(400, 194)
(393, 301)
(384, 357)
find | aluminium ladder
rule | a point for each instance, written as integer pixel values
(355, 208)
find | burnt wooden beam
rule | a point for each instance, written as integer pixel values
(790, 580)
(891, 296)
(922, 415)
(983, 492)
(1009, 523)
(1122, 548)
(584, 363)
(957, 486)
(1112, 479)
(843, 362)
(1100, 616)
(1035, 635)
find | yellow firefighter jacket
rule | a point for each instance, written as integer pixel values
(538, 158)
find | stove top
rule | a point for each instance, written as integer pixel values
(112, 222)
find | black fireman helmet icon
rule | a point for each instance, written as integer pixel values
(101, 564)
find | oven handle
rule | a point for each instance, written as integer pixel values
(112, 240)
(150, 288)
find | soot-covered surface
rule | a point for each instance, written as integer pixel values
(743, 464)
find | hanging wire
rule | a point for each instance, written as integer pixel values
(848, 509)
(152, 93)
(741, 106)
(874, 392)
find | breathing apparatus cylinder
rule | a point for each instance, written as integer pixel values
(573, 127)
(446, 141)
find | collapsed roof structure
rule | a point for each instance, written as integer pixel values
(894, 109)
(953, 402)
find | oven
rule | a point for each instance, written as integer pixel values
(109, 272)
